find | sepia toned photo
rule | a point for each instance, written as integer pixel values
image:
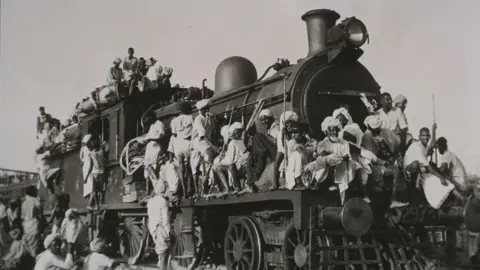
(239, 135)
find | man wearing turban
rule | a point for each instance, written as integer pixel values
(97, 258)
(288, 120)
(235, 160)
(334, 152)
(115, 79)
(273, 128)
(348, 126)
(202, 150)
(159, 223)
(180, 142)
(51, 257)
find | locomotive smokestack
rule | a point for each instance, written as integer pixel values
(318, 22)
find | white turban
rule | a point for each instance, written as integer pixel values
(97, 245)
(234, 126)
(345, 113)
(355, 131)
(329, 122)
(202, 103)
(167, 71)
(266, 113)
(373, 121)
(287, 116)
(399, 99)
(70, 211)
(117, 60)
(49, 239)
(87, 138)
(66, 121)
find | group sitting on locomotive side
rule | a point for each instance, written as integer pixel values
(194, 160)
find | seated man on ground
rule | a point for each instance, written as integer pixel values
(51, 257)
(97, 258)
(235, 160)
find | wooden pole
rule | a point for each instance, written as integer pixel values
(434, 121)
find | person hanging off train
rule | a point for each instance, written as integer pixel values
(93, 170)
(180, 145)
(159, 224)
(273, 128)
(129, 67)
(202, 153)
(153, 151)
(234, 161)
(42, 118)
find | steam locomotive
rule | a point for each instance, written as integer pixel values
(265, 230)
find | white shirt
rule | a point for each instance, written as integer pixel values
(49, 261)
(274, 130)
(97, 261)
(3, 211)
(155, 131)
(182, 126)
(235, 153)
(224, 133)
(30, 208)
(157, 210)
(154, 72)
(170, 175)
(198, 131)
(416, 152)
(393, 120)
(97, 160)
(455, 166)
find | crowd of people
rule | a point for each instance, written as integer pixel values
(347, 159)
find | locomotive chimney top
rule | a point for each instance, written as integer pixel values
(318, 22)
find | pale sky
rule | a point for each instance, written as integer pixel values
(54, 52)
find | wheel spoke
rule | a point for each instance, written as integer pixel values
(237, 233)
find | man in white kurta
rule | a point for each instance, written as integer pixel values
(51, 257)
(417, 167)
(273, 128)
(180, 141)
(159, 224)
(235, 158)
(347, 123)
(202, 153)
(393, 119)
(336, 149)
(297, 160)
(153, 149)
(451, 166)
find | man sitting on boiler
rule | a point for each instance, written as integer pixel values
(273, 128)
(235, 158)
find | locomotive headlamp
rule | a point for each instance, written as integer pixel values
(351, 30)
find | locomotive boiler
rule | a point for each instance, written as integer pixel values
(264, 230)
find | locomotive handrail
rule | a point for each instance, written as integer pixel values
(237, 91)
(125, 152)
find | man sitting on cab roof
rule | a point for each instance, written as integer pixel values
(115, 77)
(129, 67)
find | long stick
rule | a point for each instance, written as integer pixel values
(434, 121)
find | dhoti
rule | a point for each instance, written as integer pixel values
(179, 147)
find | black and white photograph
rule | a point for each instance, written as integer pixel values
(239, 135)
